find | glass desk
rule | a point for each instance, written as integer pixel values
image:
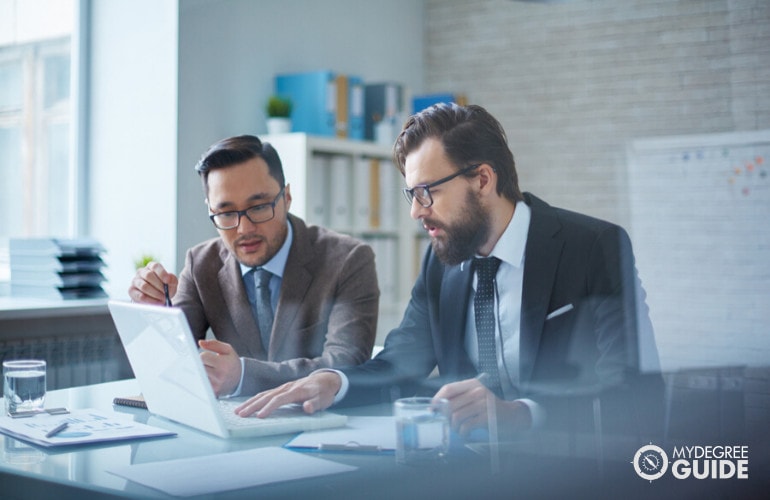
(520, 471)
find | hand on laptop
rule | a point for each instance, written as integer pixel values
(315, 392)
(223, 366)
(147, 285)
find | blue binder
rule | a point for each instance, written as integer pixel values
(382, 100)
(314, 100)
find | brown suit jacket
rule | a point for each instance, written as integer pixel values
(326, 314)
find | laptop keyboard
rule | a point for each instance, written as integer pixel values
(286, 414)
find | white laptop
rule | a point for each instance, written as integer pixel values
(167, 365)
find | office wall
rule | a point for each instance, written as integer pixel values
(229, 52)
(574, 82)
(170, 78)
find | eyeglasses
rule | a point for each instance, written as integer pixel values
(422, 191)
(255, 214)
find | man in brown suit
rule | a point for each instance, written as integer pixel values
(320, 286)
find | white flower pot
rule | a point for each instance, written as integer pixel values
(278, 125)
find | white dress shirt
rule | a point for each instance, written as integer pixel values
(508, 291)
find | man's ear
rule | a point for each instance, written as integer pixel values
(287, 196)
(487, 178)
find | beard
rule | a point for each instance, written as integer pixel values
(463, 238)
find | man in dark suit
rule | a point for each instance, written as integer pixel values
(319, 286)
(535, 308)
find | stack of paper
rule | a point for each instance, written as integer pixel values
(56, 268)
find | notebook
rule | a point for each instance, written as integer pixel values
(167, 365)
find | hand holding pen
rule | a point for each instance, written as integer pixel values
(152, 284)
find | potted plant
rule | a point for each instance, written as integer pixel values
(143, 260)
(278, 114)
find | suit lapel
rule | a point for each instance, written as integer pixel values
(541, 260)
(295, 283)
(455, 292)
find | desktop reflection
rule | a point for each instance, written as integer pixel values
(18, 453)
(547, 464)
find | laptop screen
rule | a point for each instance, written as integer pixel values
(167, 364)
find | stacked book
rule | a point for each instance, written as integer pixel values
(53, 268)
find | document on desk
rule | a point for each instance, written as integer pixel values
(360, 434)
(77, 427)
(228, 471)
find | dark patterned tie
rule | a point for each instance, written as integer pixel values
(484, 309)
(264, 306)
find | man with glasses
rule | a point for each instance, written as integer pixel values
(282, 298)
(531, 313)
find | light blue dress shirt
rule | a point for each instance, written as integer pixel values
(276, 266)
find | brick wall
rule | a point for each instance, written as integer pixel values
(573, 81)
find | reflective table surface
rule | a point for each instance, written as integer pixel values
(525, 469)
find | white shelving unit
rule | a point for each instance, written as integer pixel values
(353, 187)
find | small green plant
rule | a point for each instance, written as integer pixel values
(278, 107)
(143, 260)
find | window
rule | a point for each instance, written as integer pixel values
(36, 121)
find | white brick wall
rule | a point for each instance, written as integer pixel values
(573, 81)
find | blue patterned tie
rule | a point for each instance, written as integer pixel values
(484, 309)
(264, 306)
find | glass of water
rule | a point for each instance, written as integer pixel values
(23, 385)
(422, 430)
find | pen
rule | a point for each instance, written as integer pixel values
(56, 430)
(165, 292)
(349, 447)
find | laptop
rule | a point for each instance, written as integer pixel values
(166, 363)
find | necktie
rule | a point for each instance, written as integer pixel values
(264, 306)
(484, 309)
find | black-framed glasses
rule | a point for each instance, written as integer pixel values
(255, 214)
(422, 191)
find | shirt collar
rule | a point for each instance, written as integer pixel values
(510, 247)
(277, 264)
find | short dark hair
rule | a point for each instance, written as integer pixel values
(469, 134)
(238, 149)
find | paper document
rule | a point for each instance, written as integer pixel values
(228, 471)
(78, 427)
(359, 434)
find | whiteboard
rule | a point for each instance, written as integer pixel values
(700, 225)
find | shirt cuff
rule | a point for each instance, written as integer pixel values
(536, 412)
(237, 391)
(345, 384)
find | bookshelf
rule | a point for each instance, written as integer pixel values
(353, 187)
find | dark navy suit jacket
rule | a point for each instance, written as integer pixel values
(568, 358)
